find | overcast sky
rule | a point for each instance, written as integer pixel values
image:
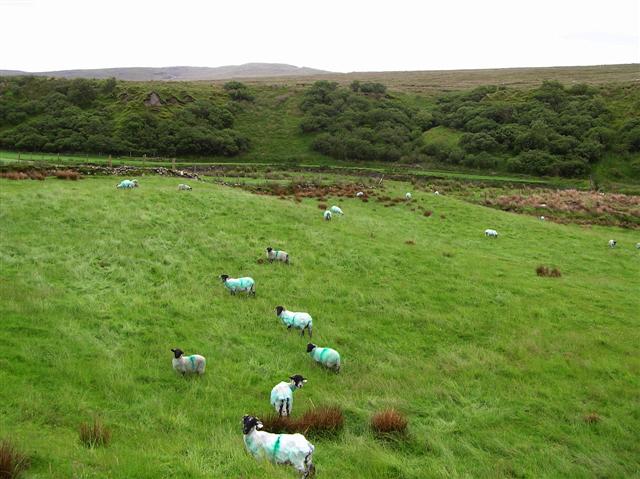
(337, 35)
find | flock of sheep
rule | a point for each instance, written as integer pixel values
(292, 449)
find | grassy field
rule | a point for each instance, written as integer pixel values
(495, 368)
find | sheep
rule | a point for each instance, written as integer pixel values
(491, 233)
(336, 210)
(282, 394)
(277, 255)
(437, 193)
(234, 285)
(183, 187)
(329, 358)
(612, 243)
(295, 320)
(407, 196)
(637, 245)
(290, 449)
(360, 194)
(188, 364)
(327, 215)
(127, 184)
(542, 218)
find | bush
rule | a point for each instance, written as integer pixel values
(12, 462)
(95, 434)
(388, 422)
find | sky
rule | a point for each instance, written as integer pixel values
(341, 36)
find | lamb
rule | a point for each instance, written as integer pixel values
(491, 233)
(127, 184)
(407, 196)
(248, 285)
(291, 449)
(360, 194)
(329, 358)
(336, 210)
(295, 320)
(282, 394)
(188, 364)
(277, 255)
(327, 215)
(183, 187)
(612, 243)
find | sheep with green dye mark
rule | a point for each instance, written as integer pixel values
(188, 364)
(277, 255)
(282, 394)
(289, 449)
(235, 285)
(336, 210)
(295, 320)
(327, 357)
(127, 184)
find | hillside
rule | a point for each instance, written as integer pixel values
(180, 73)
(501, 373)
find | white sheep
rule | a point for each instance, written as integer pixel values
(188, 364)
(542, 218)
(282, 394)
(295, 320)
(235, 285)
(290, 449)
(329, 358)
(360, 194)
(637, 245)
(491, 233)
(183, 187)
(437, 193)
(127, 184)
(407, 196)
(277, 255)
(336, 210)
(612, 243)
(327, 215)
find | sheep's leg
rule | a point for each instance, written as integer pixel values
(280, 410)
(310, 331)
(302, 333)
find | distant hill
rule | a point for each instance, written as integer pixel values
(248, 70)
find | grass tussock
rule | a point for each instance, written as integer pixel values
(23, 175)
(94, 434)
(410, 242)
(546, 272)
(322, 206)
(427, 213)
(319, 421)
(591, 418)
(389, 421)
(12, 462)
(67, 175)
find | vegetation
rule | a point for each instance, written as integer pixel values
(389, 421)
(493, 366)
(94, 434)
(12, 462)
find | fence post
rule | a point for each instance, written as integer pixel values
(144, 160)
(173, 163)
(109, 161)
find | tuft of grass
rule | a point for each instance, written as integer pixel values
(322, 421)
(94, 434)
(67, 175)
(591, 418)
(410, 242)
(12, 462)
(428, 213)
(389, 421)
(545, 272)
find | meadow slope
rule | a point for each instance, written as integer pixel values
(495, 367)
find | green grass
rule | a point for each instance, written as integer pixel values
(494, 367)
(442, 136)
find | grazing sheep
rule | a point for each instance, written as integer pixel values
(277, 255)
(336, 210)
(282, 394)
(637, 245)
(360, 194)
(407, 196)
(491, 233)
(183, 187)
(127, 184)
(328, 357)
(437, 193)
(295, 320)
(327, 215)
(542, 218)
(612, 243)
(188, 364)
(235, 285)
(289, 449)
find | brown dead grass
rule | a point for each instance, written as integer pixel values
(544, 271)
(67, 175)
(12, 462)
(389, 421)
(95, 434)
(319, 421)
(591, 418)
(410, 242)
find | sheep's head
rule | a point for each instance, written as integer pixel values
(177, 352)
(310, 347)
(223, 277)
(279, 310)
(269, 249)
(249, 423)
(298, 380)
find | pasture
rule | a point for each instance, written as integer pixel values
(501, 373)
